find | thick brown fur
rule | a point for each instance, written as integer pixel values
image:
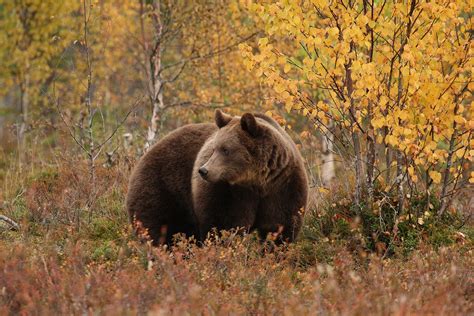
(242, 172)
(159, 192)
(255, 179)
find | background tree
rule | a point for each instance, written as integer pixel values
(34, 34)
(398, 78)
(175, 40)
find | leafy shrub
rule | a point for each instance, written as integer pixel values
(382, 229)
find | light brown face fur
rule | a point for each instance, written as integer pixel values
(230, 160)
(233, 159)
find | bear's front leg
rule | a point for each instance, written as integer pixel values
(223, 207)
(280, 216)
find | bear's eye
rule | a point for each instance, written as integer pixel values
(225, 151)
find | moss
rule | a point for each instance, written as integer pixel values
(106, 251)
(441, 236)
(309, 253)
(102, 228)
(410, 239)
(468, 230)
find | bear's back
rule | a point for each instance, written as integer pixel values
(169, 164)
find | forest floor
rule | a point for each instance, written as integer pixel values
(75, 253)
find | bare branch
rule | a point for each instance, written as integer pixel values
(12, 224)
(101, 145)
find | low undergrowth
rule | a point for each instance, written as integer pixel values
(75, 254)
(382, 229)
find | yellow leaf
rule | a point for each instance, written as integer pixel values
(323, 190)
(308, 62)
(378, 123)
(287, 68)
(436, 176)
(460, 153)
(364, 20)
(405, 71)
(411, 172)
(459, 119)
(356, 65)
(285, 95)
(403, 115)
(263, 41)
(279, 88)
(297, 20)
(333, 31)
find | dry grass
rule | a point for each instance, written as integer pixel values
(228, 277)
(75, 254)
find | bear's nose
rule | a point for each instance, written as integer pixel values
(203, 172)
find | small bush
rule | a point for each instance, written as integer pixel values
(381, 229)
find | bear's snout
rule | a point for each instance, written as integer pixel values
(203, 172)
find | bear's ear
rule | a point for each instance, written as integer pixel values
(250, 125)
(222, 119)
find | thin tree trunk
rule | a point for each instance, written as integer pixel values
(88, 102)
(400, 182)
(158, 106)
(358, 167)
(328, 170)
(388, 161)
(24, 107)
(449, 164)
(370, 170)
(155, 81)
(370, 159)
(399, 178)
(445, 201)
(370, 155)
(355, 137)
(404, 41)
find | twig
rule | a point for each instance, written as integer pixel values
(101, 145)
(13, 225)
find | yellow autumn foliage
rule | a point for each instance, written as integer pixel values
(396, 72)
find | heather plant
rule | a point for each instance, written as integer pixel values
(337, 265)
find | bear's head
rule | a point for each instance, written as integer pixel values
(238, 152)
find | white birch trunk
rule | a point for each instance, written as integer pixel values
(24, 107)
(158, 106)
(328, 168)
(155, 81)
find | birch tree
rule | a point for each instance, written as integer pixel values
(174, 37)
(399, 78)
(34, 33)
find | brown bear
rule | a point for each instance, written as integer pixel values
(244, 172)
